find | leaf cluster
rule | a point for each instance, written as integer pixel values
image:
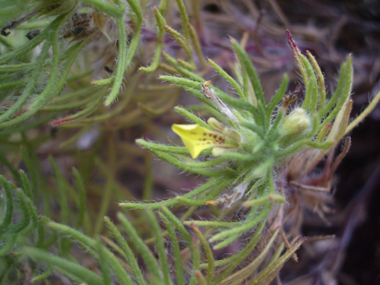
(267, 143)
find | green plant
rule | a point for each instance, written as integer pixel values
(33, 235)
(258, 156)
(253, 142)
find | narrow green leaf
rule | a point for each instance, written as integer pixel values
(146, 254)
(189, 241)
(160, 246)
(43, 276)
(171, 202)
(7, 216)
(116, 11)
(209, 254)
(176, 250)
(193, 118)
(104, 266)
(82, 199)
(131, 258)
(250, 69)
(280, 93)
(7, 247)
(84, 274)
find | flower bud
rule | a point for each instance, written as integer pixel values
(296, 122)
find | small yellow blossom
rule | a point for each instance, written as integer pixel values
(197, 138)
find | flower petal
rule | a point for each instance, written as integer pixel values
(197, 138)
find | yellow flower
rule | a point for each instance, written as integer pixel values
(197, 138)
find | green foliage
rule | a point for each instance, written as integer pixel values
(50, 75)
(32, 81)
(268, 139)
(11, 10)
(19, 60)
(118, 266)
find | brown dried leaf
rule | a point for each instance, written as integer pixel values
(100, 20)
